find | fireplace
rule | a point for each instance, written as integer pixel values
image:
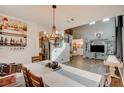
(99, 48)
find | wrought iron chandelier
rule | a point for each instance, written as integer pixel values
(55, 38)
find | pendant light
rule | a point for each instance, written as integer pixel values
(55, 38)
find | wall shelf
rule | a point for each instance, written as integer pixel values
(13, 34)
(13, 45)
(14, 38)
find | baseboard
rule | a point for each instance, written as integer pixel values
(121, 75)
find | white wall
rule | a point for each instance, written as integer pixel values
(23, 56)
(88, 31)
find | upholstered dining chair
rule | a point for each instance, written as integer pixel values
(26, 77)
(35, 81)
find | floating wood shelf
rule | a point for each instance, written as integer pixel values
(13, 45)
(13, 34)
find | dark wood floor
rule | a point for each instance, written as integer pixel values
(95, 66)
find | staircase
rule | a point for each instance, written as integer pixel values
(61, 54)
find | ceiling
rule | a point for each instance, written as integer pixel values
(67, 16)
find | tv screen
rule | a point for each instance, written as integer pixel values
(97, 48)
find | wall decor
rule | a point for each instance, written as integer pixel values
(12, 32)
(98, 35)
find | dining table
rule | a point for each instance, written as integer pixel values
(67, 76)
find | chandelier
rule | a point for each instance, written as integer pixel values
(55, 38)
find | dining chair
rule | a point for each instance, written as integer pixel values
(19, 68)
(36, 81)
(26, 77)
(7, 69)
(12, 68)
(36, 59)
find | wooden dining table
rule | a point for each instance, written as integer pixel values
(67, 76)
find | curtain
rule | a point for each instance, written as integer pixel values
(118, 36)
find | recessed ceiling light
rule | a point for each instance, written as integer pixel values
(91, 23)
(106, 19)
(72, 19)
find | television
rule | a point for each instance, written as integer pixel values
(97, 48)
